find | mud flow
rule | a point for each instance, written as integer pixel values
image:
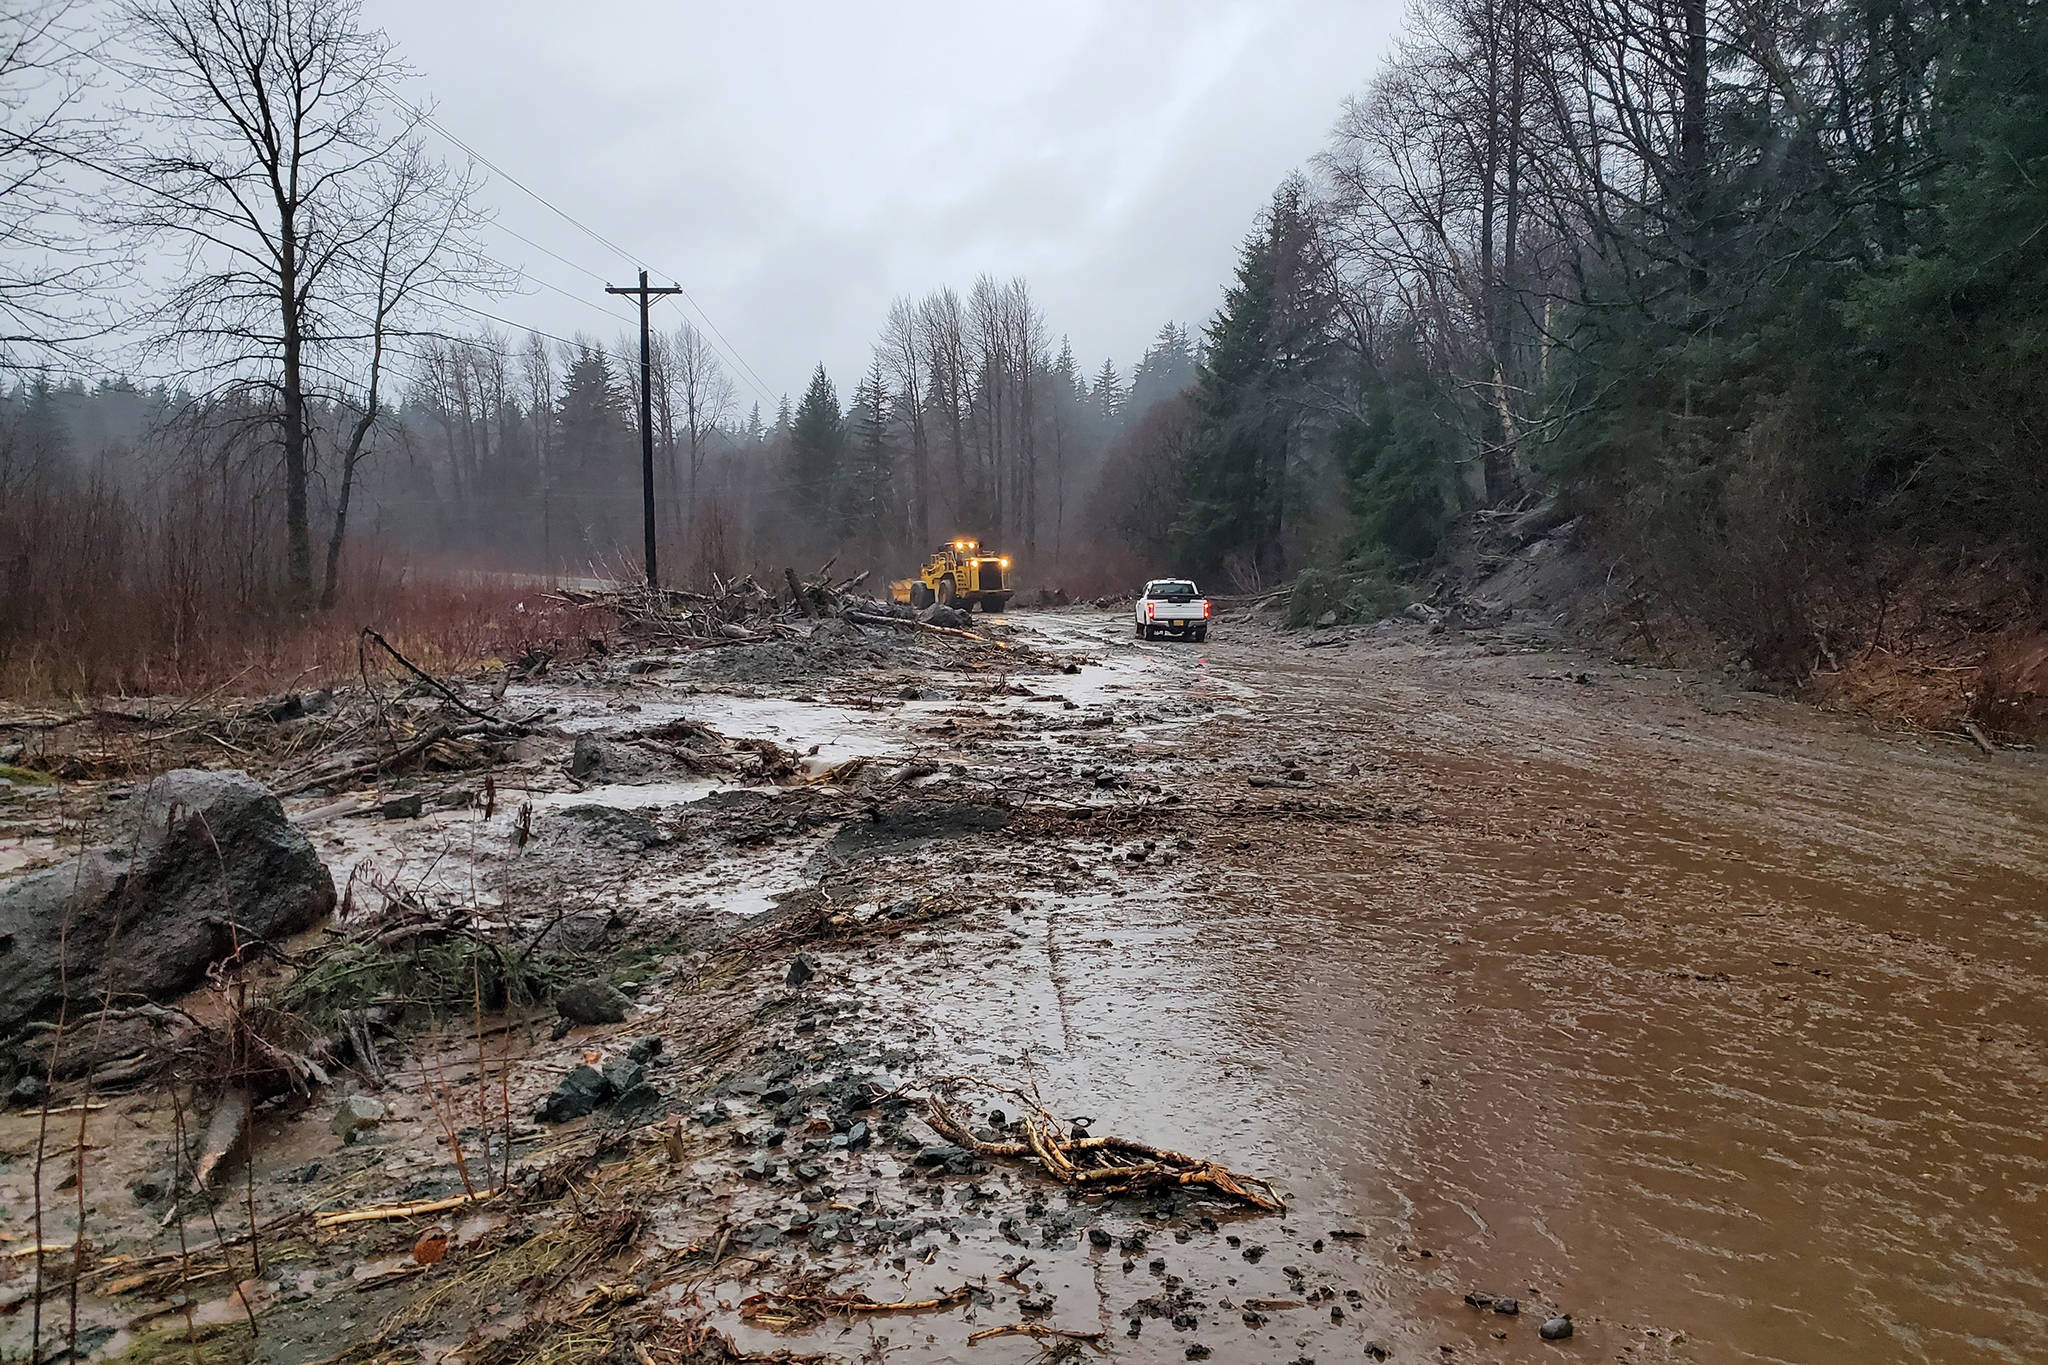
(1537, 988)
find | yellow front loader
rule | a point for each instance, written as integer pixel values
(961, 574)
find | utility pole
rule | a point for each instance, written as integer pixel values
(646, 294)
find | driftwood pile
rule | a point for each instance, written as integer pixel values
(1104, 1165)
(741, 611)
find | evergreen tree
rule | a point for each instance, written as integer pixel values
(1269, 340)
(869, 508)
(592, 430)
(1168, 366)
(817, 458)
(1108, 397)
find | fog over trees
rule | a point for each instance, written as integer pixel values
(1756, 289)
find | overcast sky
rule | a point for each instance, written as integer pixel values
(797, 165)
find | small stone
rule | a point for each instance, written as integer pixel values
(592, 1002)
(578, 1094)
(405, 807)
(28, 1093)
(1100, 1237)
(1336, 1313)
(1507, 1307)
(645, 1050)
(1035, 1303)
(801, 969)
(356, 1113)
(622, 1074)
(587, 757)
(1557, 1329)
(1253, 1254)
(1375, 1351)
(1198, 1352)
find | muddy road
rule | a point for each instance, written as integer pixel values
(1527, 979)
(1710, 1019)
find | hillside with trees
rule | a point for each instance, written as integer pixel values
(1749, 295)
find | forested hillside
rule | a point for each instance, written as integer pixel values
(1753, 293)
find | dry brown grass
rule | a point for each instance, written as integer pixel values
(97, 605)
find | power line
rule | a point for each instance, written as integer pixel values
(732, 354)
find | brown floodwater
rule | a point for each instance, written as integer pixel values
(1710, 1019)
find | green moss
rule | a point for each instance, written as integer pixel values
(25, 777)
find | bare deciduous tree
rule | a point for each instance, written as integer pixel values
(703, 396)
(47, 269)
(274, 167)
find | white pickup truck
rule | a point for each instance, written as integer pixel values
(1172, 606)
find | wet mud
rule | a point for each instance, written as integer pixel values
(1529, 981)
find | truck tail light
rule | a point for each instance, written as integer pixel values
(1205, 609)
(1148, 609)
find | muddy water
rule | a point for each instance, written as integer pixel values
(1713, 1021)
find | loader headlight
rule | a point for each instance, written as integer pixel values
(1004, 561)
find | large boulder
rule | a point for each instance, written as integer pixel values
(206, 863)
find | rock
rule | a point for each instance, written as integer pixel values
(639, 1100)
(801, 969)
(1035, 1303)
(622, 1074)
(580, 1092)
(203, 862)
(405, 807)
(1100, 1237)
(1557, 1329)
(592, 1002)
(587, 757)
(29, 1092)
(1198, 1352)
(1507, 1308)
(356, 1113)
(645, 1050)
(1328, 618)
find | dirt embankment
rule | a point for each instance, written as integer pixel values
(1951, 643)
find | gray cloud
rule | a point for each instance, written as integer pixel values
(798, 165)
